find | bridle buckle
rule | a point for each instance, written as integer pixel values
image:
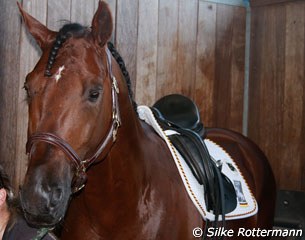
(115, 85)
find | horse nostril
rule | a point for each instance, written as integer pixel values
(57, 194)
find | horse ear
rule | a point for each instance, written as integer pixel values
(102, 24)
(41, 33)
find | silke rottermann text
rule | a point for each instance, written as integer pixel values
(243, 232)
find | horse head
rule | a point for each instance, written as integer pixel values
(73, 113)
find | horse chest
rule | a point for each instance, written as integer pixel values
(149, 218)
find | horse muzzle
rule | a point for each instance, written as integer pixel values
(44, 200)
(44, 208)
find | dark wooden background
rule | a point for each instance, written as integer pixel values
(277, 89)
(193, 47)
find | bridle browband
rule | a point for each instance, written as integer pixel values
(81, 166)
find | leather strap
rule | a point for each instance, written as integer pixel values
(192, 147)
(81, 166)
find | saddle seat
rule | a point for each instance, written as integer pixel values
(182, 111)
(180, 114)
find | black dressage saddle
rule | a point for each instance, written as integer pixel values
(179, 113)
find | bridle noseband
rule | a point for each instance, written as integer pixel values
(81, 166)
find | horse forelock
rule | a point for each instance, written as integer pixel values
(67, 31)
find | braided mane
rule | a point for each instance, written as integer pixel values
(124, 71)
(67, 31)
(76, 30)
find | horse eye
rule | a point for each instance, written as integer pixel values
(94, 95)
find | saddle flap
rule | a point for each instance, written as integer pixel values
(191, 154)
(192, 148)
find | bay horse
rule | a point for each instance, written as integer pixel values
(83, 127)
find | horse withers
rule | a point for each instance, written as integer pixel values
(83, 129)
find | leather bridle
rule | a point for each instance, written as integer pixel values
(81, 165)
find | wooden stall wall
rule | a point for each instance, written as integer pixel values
(9, 84)
(193, 47)
(277, 88)
(200, 53)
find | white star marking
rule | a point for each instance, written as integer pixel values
(58, 73)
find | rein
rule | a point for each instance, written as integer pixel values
(81, 165)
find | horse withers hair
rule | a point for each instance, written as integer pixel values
(94, 166)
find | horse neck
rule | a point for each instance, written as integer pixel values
(123, 170)
(126, 156)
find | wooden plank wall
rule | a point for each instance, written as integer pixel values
(9, 84)
(196, 48)
(277, 89)
(193, 47)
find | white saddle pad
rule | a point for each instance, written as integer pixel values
(246, 203)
